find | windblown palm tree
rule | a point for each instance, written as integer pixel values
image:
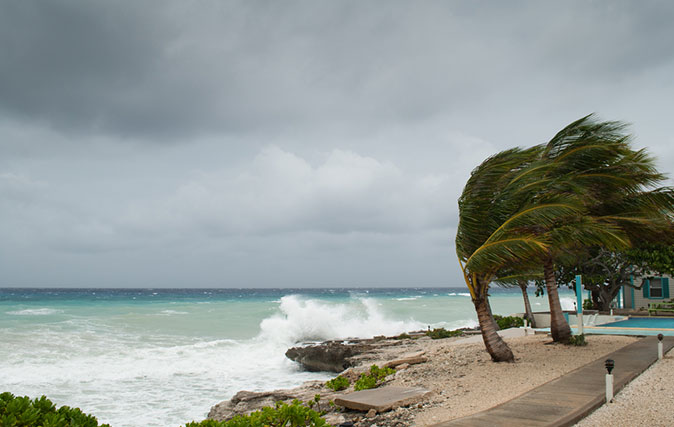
(490, 236)
(523, 208)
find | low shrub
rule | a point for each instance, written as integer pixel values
(505, 322)
(577, 340)
(588, 304)
(440, 333)
(404, 336)
(18, 411)
(373, 378)
(338, 383)
(294, 414)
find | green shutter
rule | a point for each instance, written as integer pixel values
(647, 292)
(665, 287)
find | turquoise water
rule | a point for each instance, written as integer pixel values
(162, 357)
(643, 322)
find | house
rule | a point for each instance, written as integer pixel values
(653, 289)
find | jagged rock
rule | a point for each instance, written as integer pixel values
(330, 356)
(245, 402)
(409, 360)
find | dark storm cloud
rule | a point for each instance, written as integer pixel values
(266, 143)
(168, 69)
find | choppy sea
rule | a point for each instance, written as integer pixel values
(163, 357)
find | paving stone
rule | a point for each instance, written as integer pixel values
(382, 399)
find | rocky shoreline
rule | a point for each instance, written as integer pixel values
(458, 372)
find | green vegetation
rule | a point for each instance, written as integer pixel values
(505, 322)
(282, 414)
(18, 411)
(577, 340)
(373, 378)
(525, 211)
(588, 304)
(404, 336)
(338, 383)
(440, 333)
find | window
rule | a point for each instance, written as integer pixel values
(655, 287)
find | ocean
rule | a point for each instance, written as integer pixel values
(163, 357)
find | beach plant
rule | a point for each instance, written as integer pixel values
(338, 383)
(373, 378)
(439, 333)
(403, 336)
(505, 322)
(588, 304)
(294, 414)
(578, 340)
(16, 411)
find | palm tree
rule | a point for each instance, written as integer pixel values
(490, 236)
(593, 163)
(523, 208)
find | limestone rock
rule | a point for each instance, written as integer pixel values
(244, 402)
(331, 356)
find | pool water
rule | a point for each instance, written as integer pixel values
(643, 322)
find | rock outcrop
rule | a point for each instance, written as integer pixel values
(330, 356)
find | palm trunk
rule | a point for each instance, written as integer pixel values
(527, 305)
(561, 332)
(497, 348)
(491, 314)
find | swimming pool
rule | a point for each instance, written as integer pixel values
(643, 322)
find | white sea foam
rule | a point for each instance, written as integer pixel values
(171, 312)
(408, 298)
(35, 312)
(461, 294)
(313, 320)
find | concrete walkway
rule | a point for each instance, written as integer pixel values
(566, 400)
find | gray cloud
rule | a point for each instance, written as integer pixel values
(175, 69)
(250, 143)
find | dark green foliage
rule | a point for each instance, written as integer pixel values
(339, 383)
(578, 340)
(404, 336)
(373, 378)
(294, 414)
(505, 322)
(439, 333)
(588, 304)
(18, 411)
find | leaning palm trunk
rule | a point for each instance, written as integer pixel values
(561, 332)
(527, 304)
(497, 348)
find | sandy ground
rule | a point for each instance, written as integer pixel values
(646, 401)
(464, 380)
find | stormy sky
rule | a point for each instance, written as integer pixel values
(291, 144)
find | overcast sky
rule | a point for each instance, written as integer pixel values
(291, 144)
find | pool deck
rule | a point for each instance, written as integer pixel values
(571, 397)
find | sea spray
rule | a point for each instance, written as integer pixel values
(303, 320)
(164, 357)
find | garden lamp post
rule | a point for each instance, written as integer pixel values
(609, 379)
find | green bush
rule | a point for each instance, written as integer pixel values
(505, 322)
(588, 304)
(294, 414)
(440, 333)
(403, 336)
(577, 340)
(18, 411)
(339, 383)
(373, 378)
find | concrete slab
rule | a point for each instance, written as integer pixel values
(382, 399)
